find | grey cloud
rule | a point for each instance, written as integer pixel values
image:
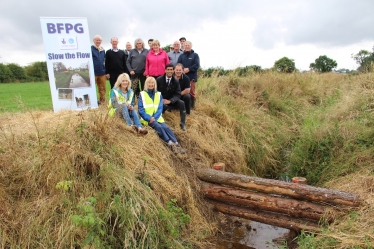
(328, 23)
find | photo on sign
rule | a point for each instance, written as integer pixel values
(72, 74)
(65, 94)
(83, 100)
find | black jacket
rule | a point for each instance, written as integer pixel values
(115, 62)
(171, 92)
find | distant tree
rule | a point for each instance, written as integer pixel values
(342, 70)
(215, 71)
(167, 48)
(5, 73)
(18, 72)
(37, 70)
(284, 65)
(242, 71)
(365, 59)
(323, 64)
(84, 66)
(59, 67)
(361, 56)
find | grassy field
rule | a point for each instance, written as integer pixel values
(14, 97)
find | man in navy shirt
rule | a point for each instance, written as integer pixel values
(185, 85)
(98, 59)
(191, 63)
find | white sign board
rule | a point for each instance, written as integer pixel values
(69, 61)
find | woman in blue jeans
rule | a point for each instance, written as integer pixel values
(150, 109)
(122, 102)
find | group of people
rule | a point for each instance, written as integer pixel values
(161, 82)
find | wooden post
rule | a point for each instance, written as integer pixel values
(298, 191)
(301, 180)
(219, 166)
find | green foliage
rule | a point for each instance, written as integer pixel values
(6, 74)
(323, 64)
(17, 71)
(215, 71)
(284, 65)
(81, 127)
(365, 60)
(167, 48)
(64, 185)
(37, 70)
(89, 219)
(248, 70)
(311, 156)
(175, 218)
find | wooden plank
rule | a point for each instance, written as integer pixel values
(259, 201)
(298, 191)
(273, 219)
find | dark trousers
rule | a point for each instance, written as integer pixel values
(187, 102)
(179, 105)
(163, 131)
(136, 86)
(112, 79)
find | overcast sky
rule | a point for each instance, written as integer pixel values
(225, 33)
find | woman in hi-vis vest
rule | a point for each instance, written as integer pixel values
(150, 109)
(122, 102)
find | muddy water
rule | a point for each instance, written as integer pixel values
(77, 81)
(239, 233)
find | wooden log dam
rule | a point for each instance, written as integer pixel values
(289, 205)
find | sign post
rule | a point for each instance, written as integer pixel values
(69, 61)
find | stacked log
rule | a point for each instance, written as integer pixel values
(289, 205)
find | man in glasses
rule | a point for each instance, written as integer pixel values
(175, 53)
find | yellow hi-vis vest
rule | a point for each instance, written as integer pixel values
(151, 106)
(121, 100)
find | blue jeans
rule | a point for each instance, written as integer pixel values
(127, 115)
(163, 131)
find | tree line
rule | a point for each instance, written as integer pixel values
(37, 71)
(12, 72)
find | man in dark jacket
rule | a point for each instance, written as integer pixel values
(191, 63)
(115, 62)
(136, 65)
(98, 59)
(171, 94)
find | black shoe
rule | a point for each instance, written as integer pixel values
(181, 150)
(183, 126)
(173, 148)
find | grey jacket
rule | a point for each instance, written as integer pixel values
(136, 61)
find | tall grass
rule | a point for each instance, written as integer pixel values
(73, 179)
(294, 124)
